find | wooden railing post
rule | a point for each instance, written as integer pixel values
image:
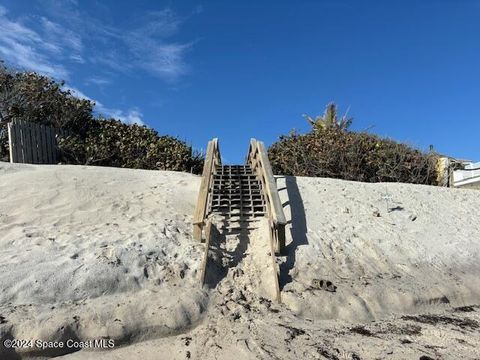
(211, 160)
(211, 232)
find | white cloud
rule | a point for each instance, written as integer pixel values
(152, 52)
(77, 93)
(72, 36)
(61, 36)
(98, 80)
(165, 61)
(131, 116)
(159, 24)
(77, 58)
(146, 46)
(25, 48)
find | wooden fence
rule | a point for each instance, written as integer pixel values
(32, 143)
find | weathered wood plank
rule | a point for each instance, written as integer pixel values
(43, 143)
(276, 283)
(35, 132)
(54, 146)
(58, 134)
(17, 142)
(197, 231)
(48, 141)
(210, 232)
(33, 142)
(23, 141)
(207, 166)
(29, 145)
(200, 210)
(21, 157)
(11, 143)
(40, 144)
(278, 214)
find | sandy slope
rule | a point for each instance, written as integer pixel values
(100, 252)
(387, 247)
(97, 252)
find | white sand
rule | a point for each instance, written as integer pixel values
(90, 252)
(387, 247)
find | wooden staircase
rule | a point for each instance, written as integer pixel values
(236, 198)
(232, 200)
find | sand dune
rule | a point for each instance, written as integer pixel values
(91, 252)
(387, 247)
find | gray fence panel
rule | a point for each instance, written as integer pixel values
(33, 143)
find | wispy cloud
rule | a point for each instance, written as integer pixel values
(145, 47)
(98, 80)
(65, 37)
(60, 36)
(150, 50)
(131, 116)
(24, 47)
(70, 36)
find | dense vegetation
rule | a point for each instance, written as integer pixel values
(330, 149)
(113, 143)
(93, 141)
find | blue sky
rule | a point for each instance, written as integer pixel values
(409, 70)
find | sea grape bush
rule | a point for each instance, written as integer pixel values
(330, 150)
(92, 141)
(109, 142)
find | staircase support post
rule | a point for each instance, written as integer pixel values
(212, 159)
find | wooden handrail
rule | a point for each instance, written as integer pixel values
(258, 159)
(212, 159)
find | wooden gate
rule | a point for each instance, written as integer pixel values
(32, 143)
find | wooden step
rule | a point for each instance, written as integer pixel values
(236, 196)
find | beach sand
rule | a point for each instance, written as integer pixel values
(91, 252)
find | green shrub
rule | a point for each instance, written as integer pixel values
(35, 98)
(333, 151)
(106, 142)
(110, 142)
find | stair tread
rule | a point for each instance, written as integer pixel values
(237, 197)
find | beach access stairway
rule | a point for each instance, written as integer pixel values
(233, 200)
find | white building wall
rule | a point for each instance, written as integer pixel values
(468, 178)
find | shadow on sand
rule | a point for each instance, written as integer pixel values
(298, 229)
